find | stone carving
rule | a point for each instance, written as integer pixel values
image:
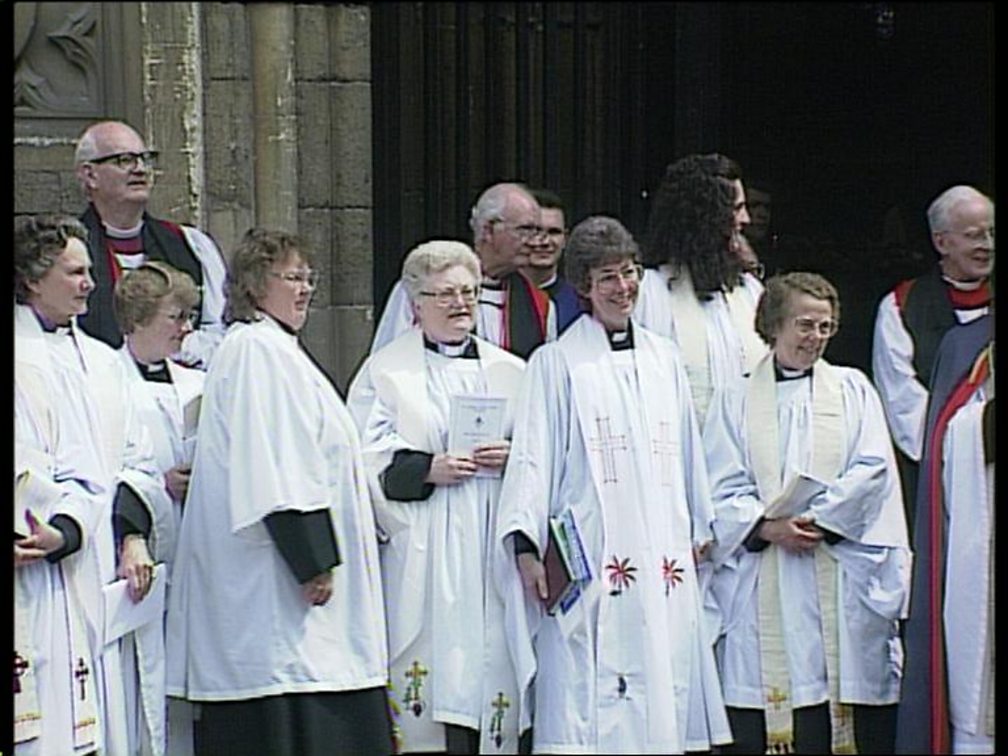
(56, 63)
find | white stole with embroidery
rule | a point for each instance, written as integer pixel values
(829, 440)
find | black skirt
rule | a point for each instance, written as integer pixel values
(296, 724)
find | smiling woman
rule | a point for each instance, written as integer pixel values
(448, 659)
(780, 555)
(797, 315)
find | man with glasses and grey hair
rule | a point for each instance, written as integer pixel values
(513, 313)
(115, 170)
(913, 317)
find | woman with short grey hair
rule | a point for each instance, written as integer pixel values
(433, 408)
(433, 257)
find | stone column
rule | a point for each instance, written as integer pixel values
(274, 108)
(172, 90)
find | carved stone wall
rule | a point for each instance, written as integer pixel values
(182, 75)
(73, 64)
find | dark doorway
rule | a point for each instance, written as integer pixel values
(858, 114)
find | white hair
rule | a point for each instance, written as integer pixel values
(87, 144)
(432, 257)
(490, 205)
(939, 211)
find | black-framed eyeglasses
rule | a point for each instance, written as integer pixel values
(447, 297)
(127, 161)
(309, 278)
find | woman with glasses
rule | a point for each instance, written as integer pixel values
(155, 306)
(811, 557)
(606, 441)
(452, 686)
(275, 618)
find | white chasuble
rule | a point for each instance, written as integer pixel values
(161, 408)
(717, 337)
(449, 661)
(801, 629)
(612, 437)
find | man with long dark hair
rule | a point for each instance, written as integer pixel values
(696, 290)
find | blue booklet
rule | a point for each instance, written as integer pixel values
(566, 563)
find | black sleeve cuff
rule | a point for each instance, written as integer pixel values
(523, 544)
(71, 531)
(305, 540)
(129, 514)
(753, 542)
(403, 479)
(830, 536)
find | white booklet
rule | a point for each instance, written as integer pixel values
(36, 493)
(475, 420)
(122, 615)
(796, 498)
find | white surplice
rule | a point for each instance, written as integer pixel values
(199, 345)
(862, 503)
(717, 338)
(968, 612)
(448, 657)
(161, 408)
(50, 625)
(612, 436)
(903, 396)
(273, 436)
(83, 382)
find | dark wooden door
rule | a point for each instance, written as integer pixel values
(468, 94)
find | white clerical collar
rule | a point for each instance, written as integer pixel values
(492, 284)
(123, 233)
(789, 374)
(620, 340)
(963, 285)
(465, 348)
